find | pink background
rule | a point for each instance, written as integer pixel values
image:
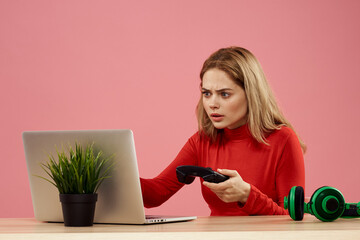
(85, 64)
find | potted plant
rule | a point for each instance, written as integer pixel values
(77, 175)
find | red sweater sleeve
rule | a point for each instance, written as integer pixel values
(290, 172)
(159, 189)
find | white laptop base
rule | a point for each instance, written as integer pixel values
(119, 197)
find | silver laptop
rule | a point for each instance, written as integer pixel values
(119, 197)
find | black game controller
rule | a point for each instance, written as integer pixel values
(187, 173)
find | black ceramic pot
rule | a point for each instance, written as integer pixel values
(78, 209)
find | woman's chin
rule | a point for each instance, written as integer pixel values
(219, 125)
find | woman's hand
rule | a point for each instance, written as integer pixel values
(235, 189)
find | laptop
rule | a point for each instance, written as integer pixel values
(119, 197)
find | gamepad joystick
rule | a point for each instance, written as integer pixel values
(187, 173)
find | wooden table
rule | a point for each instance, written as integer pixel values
(255, 227)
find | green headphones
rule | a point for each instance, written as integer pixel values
(327, 204)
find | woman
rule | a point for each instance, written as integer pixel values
(243, 134)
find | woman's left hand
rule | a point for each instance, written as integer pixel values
(235, 189)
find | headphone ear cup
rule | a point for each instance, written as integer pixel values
(327, 204)
(296, 203)
(299, 203)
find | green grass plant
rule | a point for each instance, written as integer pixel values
(78, 171)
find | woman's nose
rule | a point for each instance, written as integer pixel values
(213, 104)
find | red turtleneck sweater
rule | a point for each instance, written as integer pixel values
(271, 170)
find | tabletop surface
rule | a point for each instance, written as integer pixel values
(253, 227)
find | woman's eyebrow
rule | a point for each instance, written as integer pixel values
(219, 90)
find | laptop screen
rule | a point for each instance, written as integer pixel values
(119, 197)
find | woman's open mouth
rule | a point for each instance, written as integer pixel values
(216, 117)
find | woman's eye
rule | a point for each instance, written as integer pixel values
(225, 94)
(206, 94)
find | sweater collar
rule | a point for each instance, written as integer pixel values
(239, 133)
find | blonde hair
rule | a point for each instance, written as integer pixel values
(264, 115)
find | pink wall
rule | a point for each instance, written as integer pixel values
(135, 64)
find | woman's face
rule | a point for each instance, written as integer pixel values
(224, 101)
